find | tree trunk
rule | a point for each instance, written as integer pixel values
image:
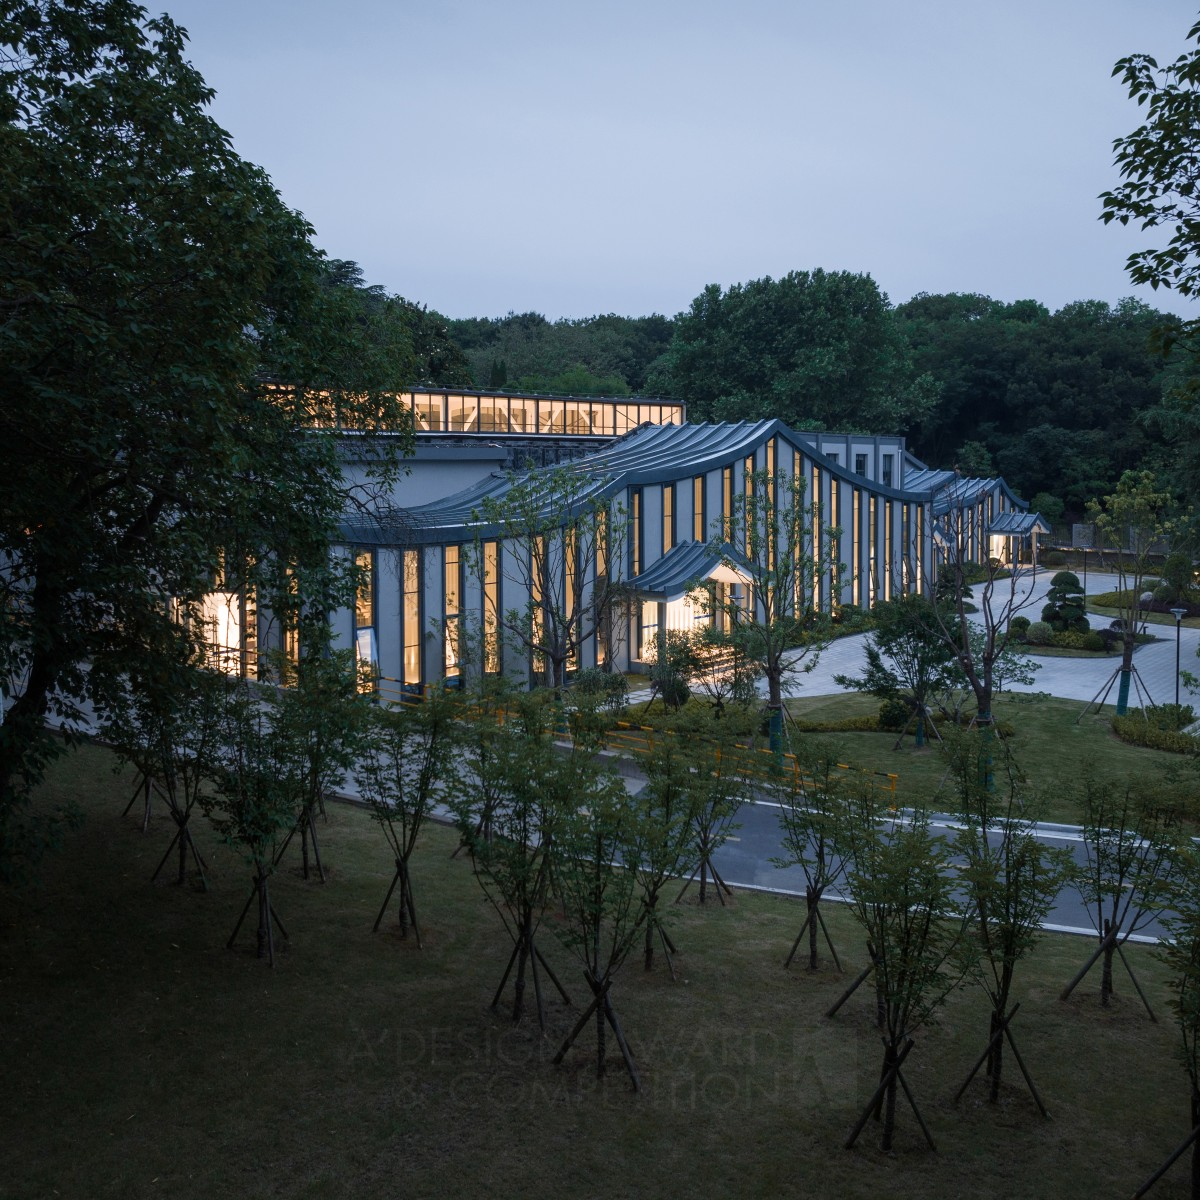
(651, 914)
(775, 707)
(519, 986)
(600, 1048)
(889, 1106)
(402, 866)
(995, 1064)
(185, 839)
(1127, 647)
(812, 897)
(264, 914)
(304, 840)
(1195, 1144)
(1106, 976)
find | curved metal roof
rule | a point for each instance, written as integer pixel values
(650, 454)
(686, 564)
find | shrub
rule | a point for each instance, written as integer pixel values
(1165, 594)
(1178, 571)
(1068, 639)
(608, 687)
(1171, 717)
(1133, 728)
(1053, 558)
(1019, 625)
(894, 713)
(1039, 634)
(1095, 642)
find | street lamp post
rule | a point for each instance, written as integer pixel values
(1178, 614)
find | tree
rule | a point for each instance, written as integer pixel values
(322, 708)
(257, 782)
(907, 659)
(1180, 951)
(669, 807)
(781, 628)
(816, 349)
(983, 647)
(1158, 165)
(809, 802)
(1131, 525)
(403, 774)
(594, 877)
(1010, 880)
(508, 814)
(562, 535)
(152, 285)
(1130, 830)
(169, 725)
(903, 894)
(1066, 605)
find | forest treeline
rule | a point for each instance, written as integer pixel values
(1059, 403)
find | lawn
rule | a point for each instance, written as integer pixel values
(1053, 743)
(141, 1058)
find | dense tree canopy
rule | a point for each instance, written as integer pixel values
(152, 285)
(603, 355)
(816, 349)
(1058, 401)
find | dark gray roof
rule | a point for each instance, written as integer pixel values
(687, 564)
(1014, 523)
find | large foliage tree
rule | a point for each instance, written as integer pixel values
(817, 349)
(1055, 402)
(152, 284)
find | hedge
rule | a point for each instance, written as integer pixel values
(1137, 731)
(870, 724)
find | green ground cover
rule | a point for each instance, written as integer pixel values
(1054, 744)
(141, 1058)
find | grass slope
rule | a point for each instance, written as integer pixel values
(143, 1059)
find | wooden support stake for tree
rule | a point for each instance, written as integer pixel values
(859, 980)
(1187, 1141)
(1137, 986)
(408, 911)
(877, 1096)
(1065, 994)
(1000, 1031)
(601, 1002)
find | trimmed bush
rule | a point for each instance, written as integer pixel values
(1165, 594)
(608, 687)
(1171, 717)
(1094, 642)
(1019, 625)
(1137, 731)
(1053, 558)
(893, 714)
(1039, 634)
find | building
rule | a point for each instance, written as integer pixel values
(442, 566)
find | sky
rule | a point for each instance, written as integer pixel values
(567, 158)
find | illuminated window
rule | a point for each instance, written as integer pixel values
(727, 503)
(365, 644)
(855, 544)
(699, 522)
(635, 532)
(887, 550)
(748, 514)
(648, 628)
(872, 549)
(668, 506)
(411, 619)
(491, 607)
(463, 413)
(452, 570)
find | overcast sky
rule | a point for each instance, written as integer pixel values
(481, 156)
